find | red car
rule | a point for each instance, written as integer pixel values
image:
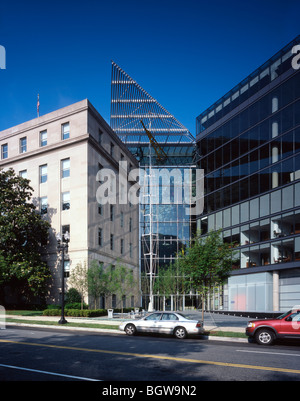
(266, 331)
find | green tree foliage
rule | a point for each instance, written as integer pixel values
(207, 261)
(79, 280)
(98, 281)
(22, 231)
(122, 282)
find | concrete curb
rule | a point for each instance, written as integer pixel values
(112, 331)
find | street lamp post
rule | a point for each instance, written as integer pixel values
(62, 246)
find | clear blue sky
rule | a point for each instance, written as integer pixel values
(186, 54)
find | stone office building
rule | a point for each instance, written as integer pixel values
(61, 154)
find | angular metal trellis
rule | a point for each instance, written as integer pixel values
(130, 104)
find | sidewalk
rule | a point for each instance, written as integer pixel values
(218, 323)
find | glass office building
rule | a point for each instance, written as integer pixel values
(165, 227)
(249, 142)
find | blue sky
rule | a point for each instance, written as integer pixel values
(186, 54)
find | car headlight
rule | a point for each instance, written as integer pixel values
(250, 324)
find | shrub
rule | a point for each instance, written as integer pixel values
(76, 312)
(51, 312)
(72, 296)
(75, 305)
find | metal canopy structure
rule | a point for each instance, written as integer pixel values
(130, 104)
(157, 139)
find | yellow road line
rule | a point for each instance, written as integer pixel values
(170, 358)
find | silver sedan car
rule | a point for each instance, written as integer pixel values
(163, 322)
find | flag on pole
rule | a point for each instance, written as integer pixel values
(38, 105)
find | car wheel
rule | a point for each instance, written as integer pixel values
(265, 337)
(130, 329)
(180, 332)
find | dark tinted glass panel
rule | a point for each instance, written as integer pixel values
(254, 161)
(287, 171)
(264, 180)
(264, 131)
(253, 136)
(297, 139)
(297, 112)
(287, 144)
(244, 143)
(264, 156)
(244, 166)
(287, 119)
(254, 184)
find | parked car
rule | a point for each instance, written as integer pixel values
(163, 322)
(266, 331)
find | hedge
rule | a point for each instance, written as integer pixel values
(82, 312)
(76, 312)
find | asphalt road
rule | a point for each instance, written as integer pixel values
(55, 355)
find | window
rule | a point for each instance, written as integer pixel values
(100, 137)
(23, 173)
(66, 201)
(100, 236)
(43, 138)
(23, 145)
(130, 249)
(44, 205)
(98, 176)
(43, 173)
(112, 146)
(130, 224)
(4, 151)
(65, 168)
(112, 213)
(111, 242)
(100, 209)
(114, 300)
(122, 247)
(65, 131)
(122, 219)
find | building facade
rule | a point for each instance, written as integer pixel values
(62, 153)
(166, 227)
(249, 142)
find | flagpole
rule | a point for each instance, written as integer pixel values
(38, 105)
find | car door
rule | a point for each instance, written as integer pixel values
(150, 323)
(290, 326)
(167, 323)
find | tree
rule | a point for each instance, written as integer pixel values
(22, 231)
(170, 281)
(207, 262)
(78, 280)
(97, 280)
(122, 282)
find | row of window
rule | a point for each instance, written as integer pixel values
(65, 205)
(251, 85)
(112, 215)
(43, 171)
(113, 243)
(260, 207)
(66, 228)
(43, 140)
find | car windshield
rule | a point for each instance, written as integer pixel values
(284, 315)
